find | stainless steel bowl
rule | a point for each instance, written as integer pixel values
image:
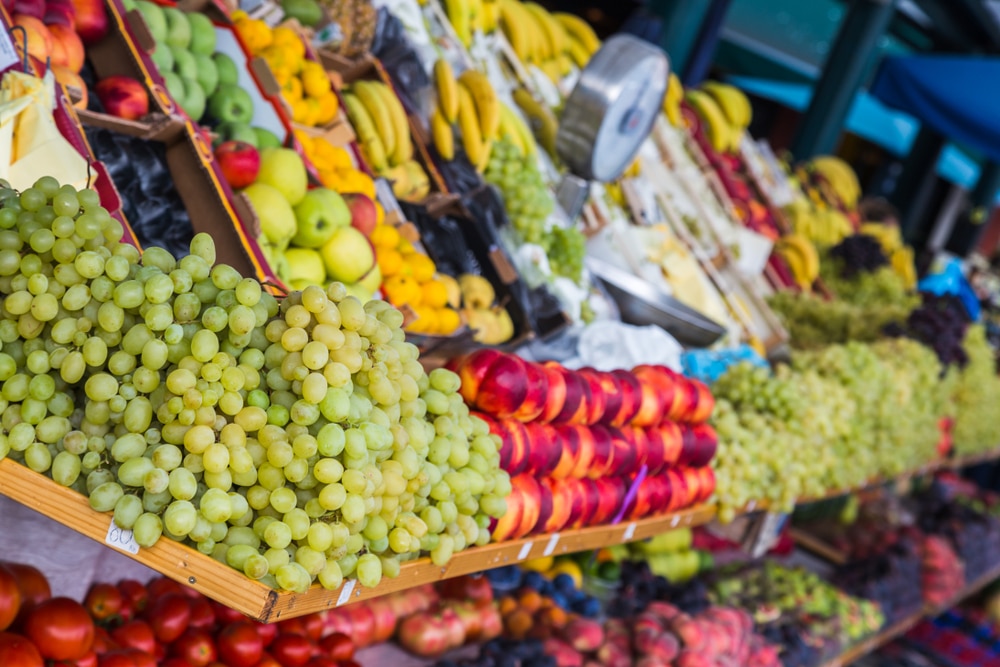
(642, 304)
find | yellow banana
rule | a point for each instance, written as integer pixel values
(578, 52)
(565, 64)
(801, 256)
(841, 178)
(459, 15)
(672, 101)
(443, 135)
(485, 98)
(554, 31)
(447, 89)
(580, 29)
(400, 124)
(543, 123)
(551, 69)
(484, 159)
(369, 95)
(363, 124)
(476, 15)
(514, 29)
(547, 39)
(508, 130)
(525, 139)
(717, 128)
(732, 101)
(468, 122)
(491, 15)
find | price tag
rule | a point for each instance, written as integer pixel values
(119, 538)
(525, 550)
(552, 544)
(346, 591)
(629, 532)
(674, 520)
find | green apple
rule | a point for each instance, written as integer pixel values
(228, 74)
(155, 20)
(236, 132)
(282, 168)
(194, 101)
(129, 5)
(231, 103)
(175, 86)
(184, 64)
(202, 34)
(318, 215)
(277, 219)
(372, 280)
(305, 265)
(208, 75)
(163, 57)
(359, 292)
(307, 12)
(178, 28)
(348, 255)
(266, 138)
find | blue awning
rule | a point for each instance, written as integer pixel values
(870, 119)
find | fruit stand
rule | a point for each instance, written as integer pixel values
(333, 334)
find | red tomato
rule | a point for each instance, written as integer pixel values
(18, 651)
(196, 647)
(322, 661)
(140, 658)
(202, 615)
(313, 624)
(10, 598)
(239, 645)
(266, 660)
(103, 601)
(103, 641)
(224, 615)
(60, 628)
(116, 658)
(292, 626)
(175, 662)
(89, 660)
(162, 586)
(337, 646)
(134, 593)
(168, 615)
(32, 583)
(266, 631)
(291, 650)
(135, 634)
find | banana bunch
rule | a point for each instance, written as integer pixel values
(839, 176)
(672, 101)
(470, 16)
(802, 259)
(822, 225)
(491, 323)
(900, 255)
(382, 127)
(553, 42)
(725, 113)
(541, 119)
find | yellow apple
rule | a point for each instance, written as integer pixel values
(359, 292)
(372, 280)
(348, 255)
(283, 169)
(305, 265)
(277, 219)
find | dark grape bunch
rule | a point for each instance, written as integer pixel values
(505, 653)
(640, 587)
(858, 254)
(939, 323)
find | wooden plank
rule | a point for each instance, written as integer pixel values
(811, 543)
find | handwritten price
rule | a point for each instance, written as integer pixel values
(119, 538)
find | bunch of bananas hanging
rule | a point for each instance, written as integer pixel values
(471, 103)
(725, 113)
(554, 42)
(470, 16)
(383, 130)
(672, 101)
(801, 257)
(823, 225)
(900, 255)
(839, 176)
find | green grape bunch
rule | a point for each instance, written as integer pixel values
(298, 442)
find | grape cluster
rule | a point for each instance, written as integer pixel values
(858, 253)
(940, 323)
(529, 205)
(977, 396)
(833, 420)
(296, 442)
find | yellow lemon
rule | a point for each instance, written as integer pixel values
(287, 38)
(300, 111)
(328, 106)
(423, 269)
(448, 321)
(385, 236)
(352, 180)
(314, 79)
(570, 568)
(291, 89)
(435, 294)
(426, 321)
(543, 564)
(389, 261)
(402, 290)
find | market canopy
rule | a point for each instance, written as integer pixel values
(955, 95)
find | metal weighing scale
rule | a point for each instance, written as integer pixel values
(608, 115)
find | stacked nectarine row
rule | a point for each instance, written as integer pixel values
(576, 442)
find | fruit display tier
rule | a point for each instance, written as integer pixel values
(900, 628)
(230, 587)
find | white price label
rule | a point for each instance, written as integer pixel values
(552, 544)
(119, 538)
(346, 591)
(629, 532)
(674, 520)
(525, 550)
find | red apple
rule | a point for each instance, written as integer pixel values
(123, 96)
(698, 445)
(364, 216)
(555, 398)
(685, 395)
(505, 387)
(655, 396)
(585, 448)
(624, 460)
(569, 446)
(472, 369)
(631, 392)
(672, 442)
(239, 162)
(680, 496)
(38, 36)
(603, 452)
(707, 475)
(562, 502)
(598, 401)
(575, 405)
(611, 388)
(531, 494)
(692, 480)
(546, 503)
(639, 442)
(610, 495)
(545, 447)
(575, 492)
(508, 524)
(67, 49)
(537, 383)
(91, 20)
(704, 403)
(515, 444)
(591, 501)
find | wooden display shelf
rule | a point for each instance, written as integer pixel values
(224, 584)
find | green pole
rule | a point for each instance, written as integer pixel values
(682, 21)
(857, 41)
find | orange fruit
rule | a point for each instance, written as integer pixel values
(290, 41)
(389, 261)
(426, 321)
(291, 90)
(530, 600)
(328, 106)
(553, 617)
(435, 294)
(518, 623)
(401, 290)
(352, 180)
(314, 79)
(423, 269)
(300, 111)
(507, 605)
(448, 321)
(385, 236)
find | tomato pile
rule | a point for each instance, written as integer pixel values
(161, 624)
